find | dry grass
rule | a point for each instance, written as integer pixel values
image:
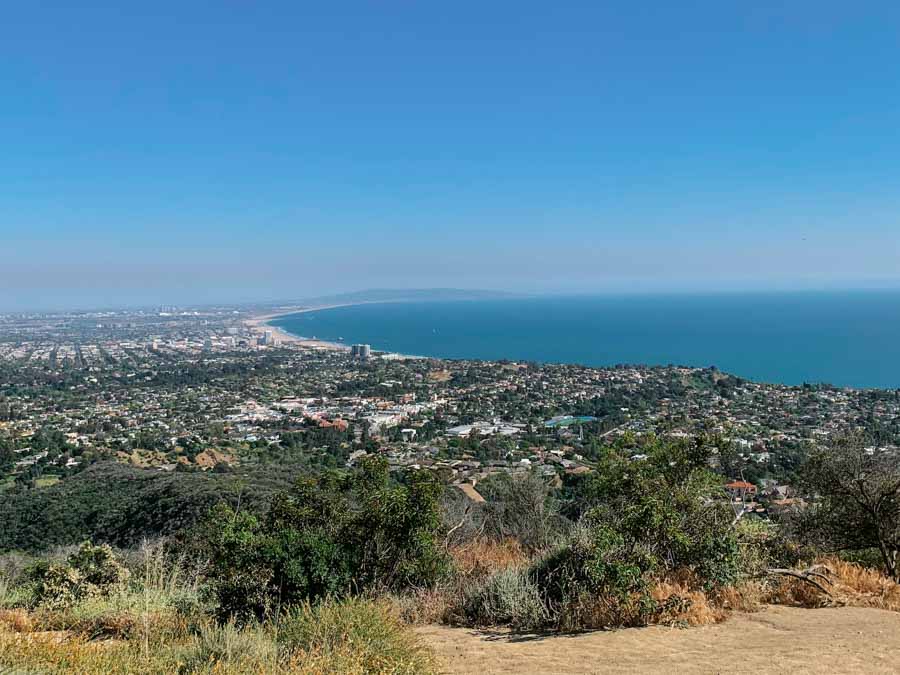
(16, 621)
(474, 562)
(353, 636)
(677, 603)
(684, 606)
(747, 596)
(595, 612)
(480, 558)
(852, 585)
(422, 607)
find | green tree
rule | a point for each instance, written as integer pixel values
(640, 518)
(858, 499)
(332, 535)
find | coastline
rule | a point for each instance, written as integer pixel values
(258, 324)
(804, 342)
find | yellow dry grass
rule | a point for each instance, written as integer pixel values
(16, 620)
(473, 562)
(481, 557)
(355, 636)
(851, 585)
(681, 605)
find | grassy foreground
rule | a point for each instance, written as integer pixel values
(354, 636)
(157, 622)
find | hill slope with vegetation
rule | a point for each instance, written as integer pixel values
(332, 573)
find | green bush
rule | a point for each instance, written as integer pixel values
(763, 545)
(92, 571)
(667, 510)
(641, 520)
(330, 536)
(594, 567)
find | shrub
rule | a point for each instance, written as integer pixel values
(98, 567)
(594, 581)
(522, 508)
(641, 520)
(859, 503)
(227, 648)
(508, 597)
(91, 571)
(54, 585)
(666, 511)
(352, 636)
(330, 536)
(762, 545)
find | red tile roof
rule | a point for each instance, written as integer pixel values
(738, 484)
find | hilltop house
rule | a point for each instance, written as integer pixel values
(740, 489)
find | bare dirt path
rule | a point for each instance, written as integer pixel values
(774, 640)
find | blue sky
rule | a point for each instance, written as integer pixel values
(187, 152)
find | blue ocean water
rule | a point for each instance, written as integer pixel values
(842, 338)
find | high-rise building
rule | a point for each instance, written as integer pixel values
(361, 352)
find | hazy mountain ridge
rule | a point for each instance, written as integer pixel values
(411, 295)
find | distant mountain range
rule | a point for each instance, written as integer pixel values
(409, 295)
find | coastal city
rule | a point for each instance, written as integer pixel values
(448, 338)
(218, 389)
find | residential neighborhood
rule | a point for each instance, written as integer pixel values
(196, 389)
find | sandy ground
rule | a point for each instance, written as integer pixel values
(775, 640)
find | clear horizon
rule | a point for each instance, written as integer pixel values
(256, 153)
(299, 301)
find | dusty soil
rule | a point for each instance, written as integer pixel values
(776, 639)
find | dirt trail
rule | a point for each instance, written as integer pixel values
(775, 640)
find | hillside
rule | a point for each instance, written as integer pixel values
(777, 639)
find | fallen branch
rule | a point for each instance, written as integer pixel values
(808, 576)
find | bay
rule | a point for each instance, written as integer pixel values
(847, 338)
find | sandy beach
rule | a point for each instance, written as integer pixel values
(258, 324)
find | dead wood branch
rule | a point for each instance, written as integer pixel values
(808, 576)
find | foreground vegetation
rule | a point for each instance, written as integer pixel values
(157, 621)
(330, 576)
(154, 620)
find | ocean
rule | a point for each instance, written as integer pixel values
(847, 338)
